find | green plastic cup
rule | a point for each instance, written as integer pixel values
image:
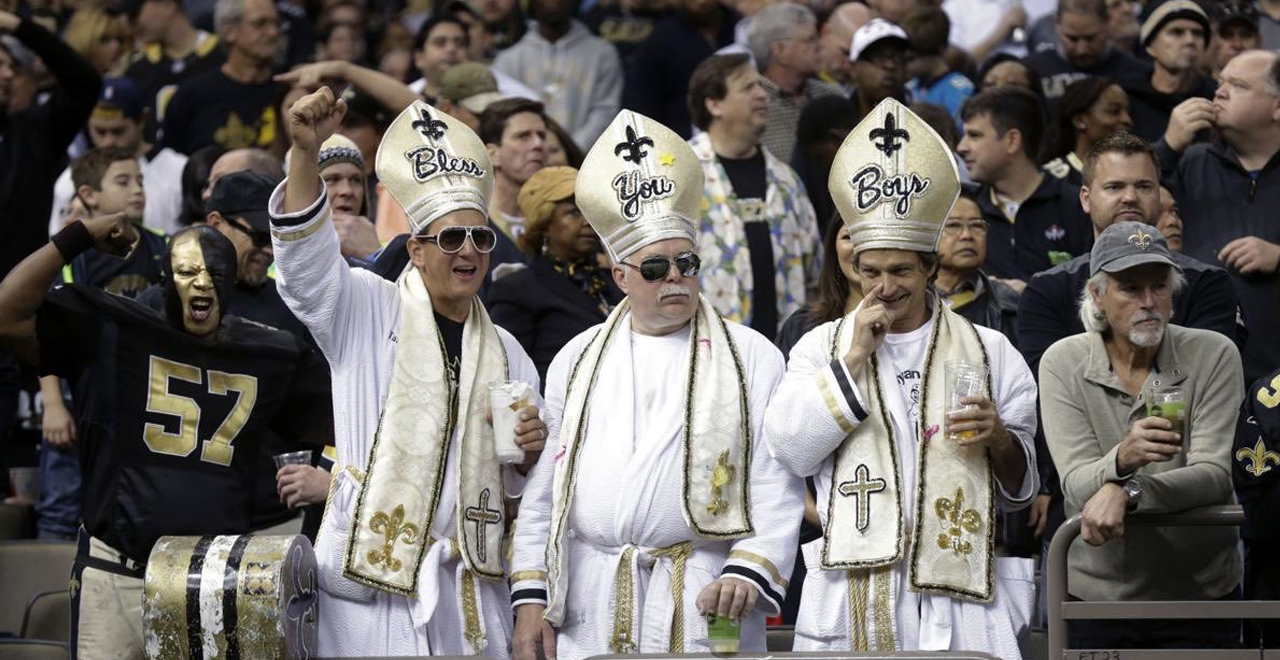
(722, 634)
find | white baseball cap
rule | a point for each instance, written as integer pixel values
(876, 30)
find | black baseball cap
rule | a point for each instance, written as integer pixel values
(243, 194)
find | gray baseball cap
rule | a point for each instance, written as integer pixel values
(1127, 244)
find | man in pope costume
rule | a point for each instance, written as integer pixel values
(410, 549)
(908, 489)
(656, 501)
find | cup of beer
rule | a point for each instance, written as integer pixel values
(1169, 403)
(506, 399)
(963, 379)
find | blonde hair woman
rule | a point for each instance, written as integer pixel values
(102, 39)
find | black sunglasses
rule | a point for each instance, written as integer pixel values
(450, 239)
(655, 268)
(259, 238)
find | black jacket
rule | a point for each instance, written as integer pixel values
(1049, 312)
(1219, 202)
(658, 70)
(996, 308)
(33, 144)
(1051, 228)
(1150, 108)
(1056, 73)
(544, 310)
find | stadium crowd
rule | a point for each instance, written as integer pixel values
(1112, 238)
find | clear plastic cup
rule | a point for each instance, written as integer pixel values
(963, 379)
(723, 635)
(292, 458)
(506, 400)
(1169, 403)
(26, 484)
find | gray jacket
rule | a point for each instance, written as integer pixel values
(1086, 412)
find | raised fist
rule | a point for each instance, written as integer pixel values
(313, 118)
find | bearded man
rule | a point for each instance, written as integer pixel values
(1119, 452)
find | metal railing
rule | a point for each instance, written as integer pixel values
(1060, 610)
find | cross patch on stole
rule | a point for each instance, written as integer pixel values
(482, 516)
(861, 489)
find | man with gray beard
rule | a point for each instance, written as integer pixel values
(1118, 453)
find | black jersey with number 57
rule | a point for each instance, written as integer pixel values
(167, 423)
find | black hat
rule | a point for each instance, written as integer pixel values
(243, 194)
(1235, 11)
(1172, 10)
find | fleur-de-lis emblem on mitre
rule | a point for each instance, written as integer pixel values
(429, 126)
(1140, 240)
(889, 134)
(392, 528)
(634, 146)
(1257, 458)
(961, 520)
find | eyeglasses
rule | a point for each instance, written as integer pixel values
(975, 227)
(451, 239)
(655, 268)
(259, 238)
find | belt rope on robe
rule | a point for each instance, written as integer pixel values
(717, 436)
(624, 595)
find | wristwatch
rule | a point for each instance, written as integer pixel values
(1133, 490)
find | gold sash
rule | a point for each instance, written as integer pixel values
(717, 436)
(953, 538)
(390, 531)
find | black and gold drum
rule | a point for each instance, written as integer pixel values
(230, 598)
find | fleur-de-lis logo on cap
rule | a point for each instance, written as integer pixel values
(634, 146)
(890, 134)
(429, 126)
(1140, 240)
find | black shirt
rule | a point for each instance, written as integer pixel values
(451, 332)
(33, 144)
(213, 109)
(170, 446)
(1056, 73)
(158, 75)
(1150, 109)
(123, 277)
(658, 71)
(750, 183)
(1050, 229)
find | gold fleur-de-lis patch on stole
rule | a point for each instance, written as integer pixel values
(1257, 458)
(721, 476)
(393, 528)
(961, 520)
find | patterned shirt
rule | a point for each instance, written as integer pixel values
(783, 115)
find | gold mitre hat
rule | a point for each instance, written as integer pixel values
(894, 181)
(640, 184)
(434, 164)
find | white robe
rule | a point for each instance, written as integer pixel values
(354, 317)
(629, 493)
(803, 435)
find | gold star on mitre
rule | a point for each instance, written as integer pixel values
(667, 160)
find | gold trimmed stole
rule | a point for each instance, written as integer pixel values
(717, 439)
(953, 540)
(390, 531)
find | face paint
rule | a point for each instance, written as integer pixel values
(199, 274)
